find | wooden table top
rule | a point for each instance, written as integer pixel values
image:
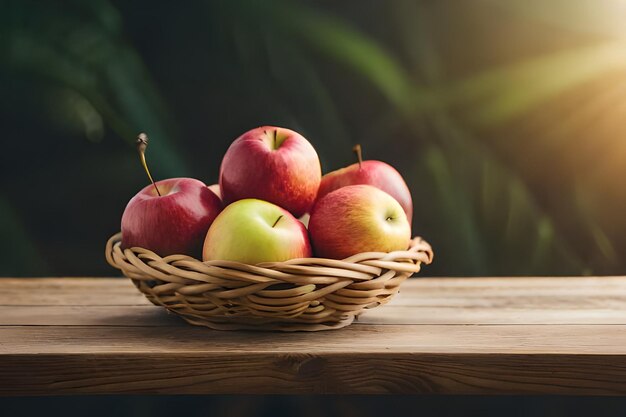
(446, 336)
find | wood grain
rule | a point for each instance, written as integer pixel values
(435, 292)
(288, 373)
(149, 315)
(374, 339)
(447, 336)
(69, 291)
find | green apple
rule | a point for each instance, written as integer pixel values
(355, 219)
(252, 231)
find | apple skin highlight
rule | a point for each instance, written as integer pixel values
(272, 164)
(252, 231)
(356, 219)
(174, 223)
(375, 173)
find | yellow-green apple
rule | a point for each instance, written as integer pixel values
(355, 219)
(375, 173)
(174, 222)
(252, 231)
(272, 164)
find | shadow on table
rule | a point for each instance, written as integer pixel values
(305, 406)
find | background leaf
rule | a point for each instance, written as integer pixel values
(506, 119)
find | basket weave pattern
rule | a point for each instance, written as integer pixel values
(300, 294)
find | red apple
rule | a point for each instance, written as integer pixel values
(216, 190)
(355, 219)
(272, 164)
(175, 222)
(375, 173)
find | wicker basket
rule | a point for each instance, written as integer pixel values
(307, 294)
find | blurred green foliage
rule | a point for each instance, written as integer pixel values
(504, 117)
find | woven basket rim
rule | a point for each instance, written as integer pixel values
(419, 251)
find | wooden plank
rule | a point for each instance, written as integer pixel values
(115, 302)
(588, 360)
(479, 315)
(69, 291)
(286, 373)
(374, 339)
(455, 336)
(149, 315)
(505, 290)
(95, 316)
(434, 292)
(515, 293)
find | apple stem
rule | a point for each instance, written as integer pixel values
(142, 144)
(277, 220)
(357, 150)
(275, 134)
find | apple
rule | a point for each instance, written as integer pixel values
(252, 231)
(216, 190)
(272, 164)
(355, 219)
(174, 222)
(375, 173)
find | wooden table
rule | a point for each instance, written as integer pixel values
(445, 336)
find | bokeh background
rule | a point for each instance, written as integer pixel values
(506, 118)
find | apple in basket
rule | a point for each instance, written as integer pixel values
(216, 190)
(252, 231)
(272, 164)
(355, 219)
(171, 216)
(375, 173)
